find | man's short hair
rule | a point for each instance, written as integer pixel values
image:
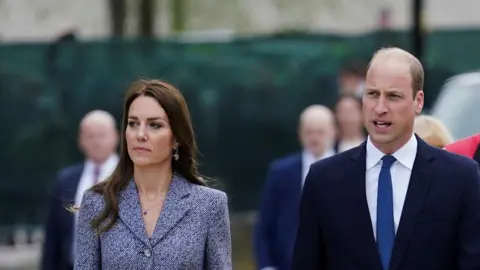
(415, 66)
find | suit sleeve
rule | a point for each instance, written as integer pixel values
(51, 251)
(469, 229)
(219, 246)
(309, 250)
(87, 242)
(264, 224)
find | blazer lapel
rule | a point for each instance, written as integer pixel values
(418, 187)
(130, 212)
(360, 221)
(175, 208)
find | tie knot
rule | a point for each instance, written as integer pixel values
(387, 161)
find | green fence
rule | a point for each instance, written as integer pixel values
(244, 97)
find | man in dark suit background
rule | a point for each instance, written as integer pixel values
(394, 202)
(98, 141)
(277, 220)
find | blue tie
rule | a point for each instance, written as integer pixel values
(385, 223)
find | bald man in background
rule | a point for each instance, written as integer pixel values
(277, 220)
(98, 139)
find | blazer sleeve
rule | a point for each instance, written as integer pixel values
(309, 249)
(218, 246)
(264, 224)
(469, 230)
(87, 242)
(51, 251)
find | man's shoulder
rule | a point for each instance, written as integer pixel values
(336, 160)
(286, 162)
(65, 174)
(451, 160)
(70, 170)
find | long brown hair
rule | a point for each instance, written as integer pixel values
(173, 102)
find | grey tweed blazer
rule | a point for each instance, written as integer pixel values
(192, 232)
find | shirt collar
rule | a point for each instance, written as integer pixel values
(110, 162)
(405, 155)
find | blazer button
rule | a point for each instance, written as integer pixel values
(147, 253)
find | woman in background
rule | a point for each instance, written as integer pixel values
(348, 115)
(432, 131)
(154, 211)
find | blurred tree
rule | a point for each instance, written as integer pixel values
(117, 17)
(146, 23)
(178, 12)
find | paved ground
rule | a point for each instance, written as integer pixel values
(19, 258)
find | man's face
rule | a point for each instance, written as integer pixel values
(316, 136)
(98, 141)
(389, 107)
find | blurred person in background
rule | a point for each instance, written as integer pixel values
(351, 80)
(432, 131)
(276, 226)
(154, 211)
(350, 130)
(98, 139)
(469, 147)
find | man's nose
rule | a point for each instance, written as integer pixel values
(381, 106)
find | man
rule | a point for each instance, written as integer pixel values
(394, 202)
(469, 147)
(277, 220)
(98, 140)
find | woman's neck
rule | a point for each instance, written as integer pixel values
(153, 181)
(352, 136)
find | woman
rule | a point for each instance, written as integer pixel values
(348, 113)
(154, 211)
(432, 131)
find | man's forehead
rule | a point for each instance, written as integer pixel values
(318, 123)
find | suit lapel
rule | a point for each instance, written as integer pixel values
(297, 176)
(175, 208)
(130, 212)
(360, 221)
(418, 187)
(72, 184)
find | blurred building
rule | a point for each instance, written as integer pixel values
(22, 20)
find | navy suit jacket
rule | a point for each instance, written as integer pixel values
(59, 228)
(277, 221)
(439, 227)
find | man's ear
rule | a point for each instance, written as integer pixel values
(419, 100)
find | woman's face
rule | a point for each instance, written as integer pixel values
(150, 140)
(349, 115)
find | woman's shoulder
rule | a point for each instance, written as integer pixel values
(204, 192)
(210, 197)
(92, 200)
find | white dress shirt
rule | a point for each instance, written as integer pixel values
(401, 171)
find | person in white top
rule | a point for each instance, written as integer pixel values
(394, 202)
(98, 140)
